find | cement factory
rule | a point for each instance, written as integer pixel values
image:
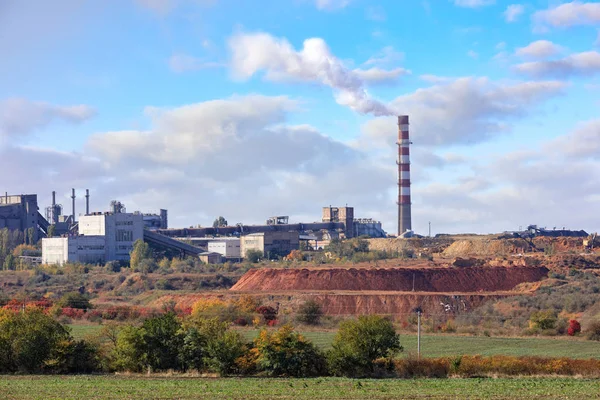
(99, 237)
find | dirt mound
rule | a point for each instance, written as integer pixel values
(486, 248)
(400, 304)
(390, 279)
(396, 245)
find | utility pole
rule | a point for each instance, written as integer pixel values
(419, 334)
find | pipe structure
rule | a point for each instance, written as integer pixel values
(404, 204)
(73, 205)
(87, 201)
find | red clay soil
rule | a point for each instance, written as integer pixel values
(397, 304)
(476, 279)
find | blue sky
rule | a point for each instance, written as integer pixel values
(223, 107)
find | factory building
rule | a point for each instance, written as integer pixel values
(227, 247)
(20, 212)
(102, 237)
(270, 243)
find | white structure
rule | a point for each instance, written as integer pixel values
(83, 249)
(227, 247)
(102, 237)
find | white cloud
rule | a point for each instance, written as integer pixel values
(164, 7)
(252, 53)
(513, 12)
(378, 75)
(583, 64)
(474, 3)
(501, 46)
(330, 5)
(568, 14)
(376, 13)
(184, 62)
(20, 117)
(582, 142)
(473, 54)
(539, 49)
(462, 111)
(385, 57)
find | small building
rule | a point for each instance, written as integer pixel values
(270, 243)
(227, 247)
(211, 257)
(82, 249)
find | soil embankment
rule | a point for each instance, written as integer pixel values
(475, 279)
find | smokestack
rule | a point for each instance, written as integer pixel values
(87, 201)
(53, 199)
(73, 209)
(404, 214)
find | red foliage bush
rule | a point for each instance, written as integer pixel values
(268, 313)
(574, 327)
(75, 313)
(272, 322)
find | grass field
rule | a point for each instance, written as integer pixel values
(139, 387)
(450, 345)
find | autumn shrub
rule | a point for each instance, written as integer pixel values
(593, 330)
(268, 313)
(412, 367)
(309, 313)
(515, 366)
(574, 327)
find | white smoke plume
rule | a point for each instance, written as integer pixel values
(251, 53)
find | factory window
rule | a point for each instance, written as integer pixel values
(124, 236)
(124, 223)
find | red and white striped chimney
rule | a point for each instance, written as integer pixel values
(404, 214)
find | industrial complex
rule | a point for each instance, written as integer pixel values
(99, 237)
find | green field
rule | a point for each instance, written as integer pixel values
(449, 345)
(139, 387)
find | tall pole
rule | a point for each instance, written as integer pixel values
(429, 228)
(73, 206)
(404, 204)
(419, 334)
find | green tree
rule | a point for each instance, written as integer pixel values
(162, 338)
(222, 346)
(254, 256)
(219, 222)
(75, 300)
(543, 320)
(288, 353)
(9, 262)
(30, 341)
(359, 343)
(310, 313)
(141, 251)
(129, 353)
(51, 230)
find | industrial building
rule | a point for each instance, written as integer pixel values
(20, 213)
(102, 237)
(270, 243)
(227, 247)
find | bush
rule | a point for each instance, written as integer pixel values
(34, 342)
(424, 368)
(593, 330)
(543, 320)
(254, 256)
(287, 353)
(310, 313)
(269, 313)
(359, 343)
(574, 327)
(75, 300)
